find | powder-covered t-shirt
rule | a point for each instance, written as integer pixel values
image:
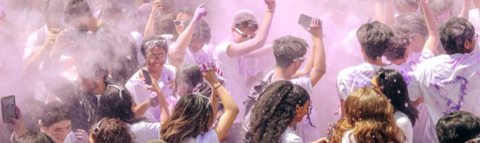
(289, 136)
(137, 87)
(70, 138)
(409, 67)
(447, 83)
(404, 123)
(352, 78)
(208, 137)
(144, 131)
(232, 68)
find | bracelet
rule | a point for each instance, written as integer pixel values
(269, 10)
(218, 86)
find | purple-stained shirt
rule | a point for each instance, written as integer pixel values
(410, 67)
(448, 83)
(352, 78)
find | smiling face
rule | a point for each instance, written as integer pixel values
(182, 17)
(155, 59)
(58, 131)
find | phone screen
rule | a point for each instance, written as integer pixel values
(305, 20)
(146, 76)
(330, 134)
(8, 108)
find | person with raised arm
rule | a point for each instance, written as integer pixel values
(444, 81)
(290, 53)
(229, 56)
(194, 115)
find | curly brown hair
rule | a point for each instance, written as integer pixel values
(369, 116)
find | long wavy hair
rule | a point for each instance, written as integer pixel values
(369, 116)
(116, 103)
(275, 111)
(193, 115)
(395, 88)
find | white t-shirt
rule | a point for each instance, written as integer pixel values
(421, 128)
(448, 83)
(404, 123)
(410, 67)
(304, 129)
(137, 87)
(289, 136)
(144, 131)
(203, 55)
(232, 68)
(208, 137)
(352, 78)
(349, 138)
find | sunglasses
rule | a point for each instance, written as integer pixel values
(152, 58)
(151, 44)
(244, 35)
(178, 22)
(302, 59)
(475, 37)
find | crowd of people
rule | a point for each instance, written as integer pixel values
(114, 71)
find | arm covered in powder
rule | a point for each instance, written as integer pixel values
(433, 39)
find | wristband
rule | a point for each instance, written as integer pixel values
(218, 86)
(270, 10)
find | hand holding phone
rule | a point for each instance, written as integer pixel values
(146, 77)
(8, 109)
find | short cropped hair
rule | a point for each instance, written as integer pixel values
(76, 8)
(401, 40)
(245, 18)
(454, 33)
(415, 21)
(457, 127)
(375, 38)
(411, 3)
(288, 48)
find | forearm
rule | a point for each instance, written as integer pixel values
(465, 9)
(34, 62)
(178, 49)
(163, 107)
(389, 14)
(141, 109)
(433, 40)
(214, 97)
(236, 50)
(379, 12)
(150, 27)
(264, 51)
(319, 64)
(309, 65)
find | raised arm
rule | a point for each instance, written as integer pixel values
(465, 9)
(161, 100)
(264, 51)
(319, 62)
(386, 16)
(231, 109)
(150, 28)
(236, 50)
(34, 62)
(177, 50)
(152, 101)
(433, 39)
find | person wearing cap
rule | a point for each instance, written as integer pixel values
(229, 56)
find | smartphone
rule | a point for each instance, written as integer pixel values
(330, 134)
(8, 108)
(146, 76)
(305, 20)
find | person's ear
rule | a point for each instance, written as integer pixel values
(297, 108)
(467, 46)
(43, 127)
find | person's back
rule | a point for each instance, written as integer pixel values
(446, 81)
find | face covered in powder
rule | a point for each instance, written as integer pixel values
(180, 22)
(156, 58)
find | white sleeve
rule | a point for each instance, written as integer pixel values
(152, 131)
(304, 81)
(220, 54)
(406, 126)
(30, 47)
(341, 88)
(414, 87)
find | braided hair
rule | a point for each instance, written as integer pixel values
(275, 111)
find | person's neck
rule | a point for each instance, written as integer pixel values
(399, 61)
(194, 50)
(282, 73)
(155, 74)
(100, 89)
(377, 62)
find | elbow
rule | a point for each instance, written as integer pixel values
(320, 71)
(235, 110)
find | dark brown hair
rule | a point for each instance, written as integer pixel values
(111, 131)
